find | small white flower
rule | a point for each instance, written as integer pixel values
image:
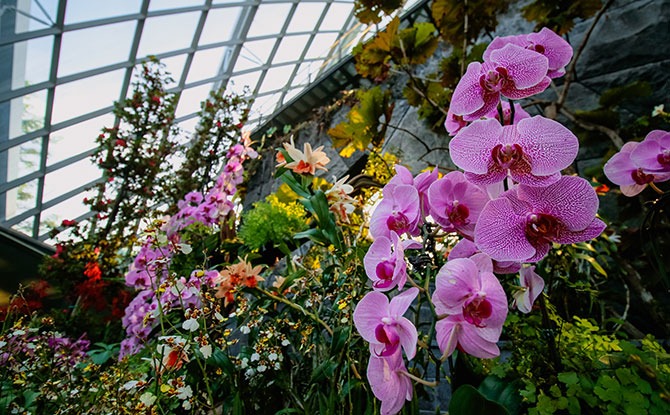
(185, 248)
(658, 110)
(130, 384)
(285, 342)
(218, 316)
(272, 356)
(2, 344)
(245, 330)
(18, 333)
(191, 324)
(277, 366)
(184, 392)
(255, 357)
(148, 398)
(186, 405)
(245, 363)
(249, 373)
(262, 368)
(206, 351)
(161, 239)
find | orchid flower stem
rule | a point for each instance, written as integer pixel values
(418, 379)
(656, 188)
(297, 307)
(414, 284)
(511, 112)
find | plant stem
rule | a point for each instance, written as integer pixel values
(417, 379)
(297, 307)
(549, 334)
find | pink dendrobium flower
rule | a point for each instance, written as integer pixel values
(653, 153)
(385, 263)
(381, 323)
(531, 287)
(455, 203)
(522, 224)
(388, 383)
(532, 152)
(465, 248)
(632, 178)
(512, 71)
(398, 211)
(467, 291)
(546, 42)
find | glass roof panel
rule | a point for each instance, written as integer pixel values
(25, 226)
(68, 102)
(190, 99)
(173, 4)
(26, 158)
(68, 209)
(337, 15)
(21, 199)
(175, 66)
(188, 126)
(32, 110)
(86, 10)
(276, 78)
(305, 17)
(321, 45)
(220, 25)
(76, 139)
(290, 48)
(167, 33)
(102, 46)
(238, 82)
(69, 178)
(205, 64)
(34, 14)
(30, 62)
(254, 54)
(269, 19)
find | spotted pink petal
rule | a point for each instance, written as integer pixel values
(525, 68)
(593, 230)
(468, 96)
(516, 94)
(500, 232)
(455, 282)
(550, 146)
(470, 150)
(555, 48)
(500, 41)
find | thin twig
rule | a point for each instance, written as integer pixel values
(616, 139)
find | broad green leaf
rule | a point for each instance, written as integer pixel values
(469, 401)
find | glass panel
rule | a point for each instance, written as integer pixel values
(308, 72)
(34, 17)
(220, 25)
(292, 93)
(337, 15)
(305, 17)
(276, 78)
(269, 19)
(188, 127)
(206, 64)
(321, 45)
(190, 99)
(173, 4)
(76, 139)
(69, 101)
(71, 209)
(238, 82)
(27, 114)
(175, 66)
(21, 199)
(25, 226)
(167, 33)
(290, 49)
(96, 47)
(69, 178)
(254, 54)
(24, 159)
(264, 106)
(86, 10)
(28, 63)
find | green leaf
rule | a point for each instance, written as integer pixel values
(339, 340)
(569, 378)
(502, 391)
(30, 397)
(324, 371)
(220, 359)
(469, 401)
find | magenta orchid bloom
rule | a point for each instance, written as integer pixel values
(385, 263)
(522, 224)
(453, 123)
(398, 211)
(465, 248)
(421, 182)
(381, 323)
(455, 203)
(388, 383)
(519, 113)
(532, 152)
(531, 287)
(512, 71)
(472, 297)
(546, 42)
(653, 153)
(621, 170)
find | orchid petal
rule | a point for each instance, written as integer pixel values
(500, 232)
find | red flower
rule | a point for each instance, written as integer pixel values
(68, 222)
(92, 271)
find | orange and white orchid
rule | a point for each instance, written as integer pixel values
(306, 161)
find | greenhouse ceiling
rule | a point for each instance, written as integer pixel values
(64, 63)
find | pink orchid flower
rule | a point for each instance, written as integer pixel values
(653, 153)
(381, 323)
(385, 263)
(546, 42)
(512, 71)
(472, 297)
(455, 203)
(453, 123)
(519, 113)
(388, 383)
(632, 178)
(522, 224)
(421, 182)
(465, 248)
(398, 211)
(532, 152)
(531, 286)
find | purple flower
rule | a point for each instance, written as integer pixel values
(398, 211)
(472, 297)
(532, 152)
(512, 71)
(382, 323)
(653, 153)
(453, 123)
(388, 383)
(455, 203)
(531, 286)
(621, 169)
(385, 263)
(421, 183)
(522, 224)
(519, 113)
(546, 42)
(465, 248)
